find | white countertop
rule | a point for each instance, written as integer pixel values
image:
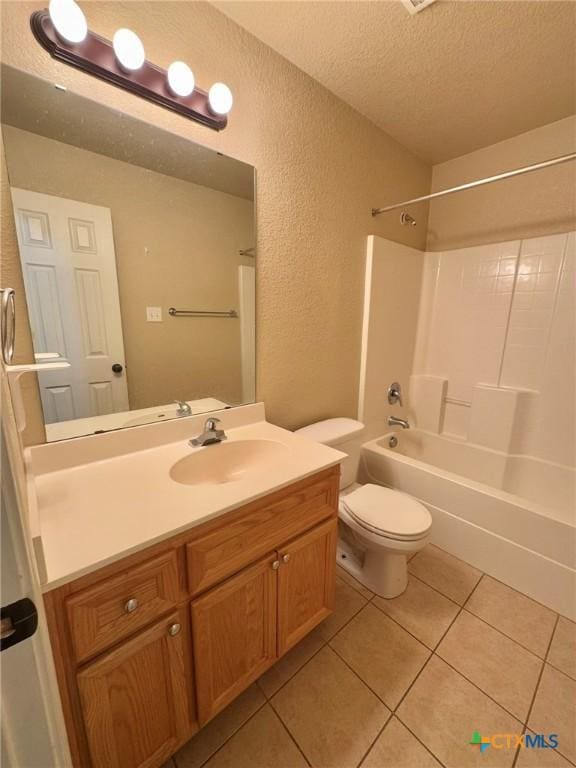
(89, 514)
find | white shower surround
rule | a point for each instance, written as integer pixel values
(505, 505)
(495, 320)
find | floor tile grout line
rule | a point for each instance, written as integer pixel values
(334, 650)
(540, 675)
(435, 589)
(555, 627)
(557, 669)
(465, 603)
(398, 624)
(532, 600)
(505, 634)
(420, 578)
(367, 685)
(525, 724)
(372, 743)
(433, 653)
(508, 637)
(475, 685)
(418, 739)
(348, 584)
(262, 705)
(324, 644)
(285, 683)
(395, 711)
(445, 551)
(483, 574)
(407, 691)
(290, 734)
(413, 683)
(448, 628)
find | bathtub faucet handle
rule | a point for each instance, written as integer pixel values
(395, 393)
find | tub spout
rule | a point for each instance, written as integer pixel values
(395, 422)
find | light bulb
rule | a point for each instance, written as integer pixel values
(220, 99)
(69, 20)
(180, 78)
(128, 49)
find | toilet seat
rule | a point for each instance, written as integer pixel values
(388, 513)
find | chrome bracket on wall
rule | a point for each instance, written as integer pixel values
(8, 324)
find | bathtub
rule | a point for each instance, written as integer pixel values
(513, 517)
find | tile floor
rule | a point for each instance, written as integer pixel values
(403, 683)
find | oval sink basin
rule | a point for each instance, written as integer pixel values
(227, 462)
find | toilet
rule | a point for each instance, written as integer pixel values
(379, 527)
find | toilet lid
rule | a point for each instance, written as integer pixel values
(388, 512)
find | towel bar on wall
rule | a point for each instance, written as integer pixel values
(201, 313)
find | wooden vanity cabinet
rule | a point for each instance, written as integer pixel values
(136, 698)
(306, 583)
(150, 648)
(234, 629)
(243, 626)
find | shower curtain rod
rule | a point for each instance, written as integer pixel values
(479, 182)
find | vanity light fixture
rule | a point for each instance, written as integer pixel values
(220, 99)
(180, 78)
(69, 20)
(63, 31)
(128, 49)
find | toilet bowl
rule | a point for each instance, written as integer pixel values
(387, 527)
(379, 527)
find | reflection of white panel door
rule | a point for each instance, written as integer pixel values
(69, 266)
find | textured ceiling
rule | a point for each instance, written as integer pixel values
(453, 78)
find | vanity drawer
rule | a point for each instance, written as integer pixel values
(246, 535)
(111, 610)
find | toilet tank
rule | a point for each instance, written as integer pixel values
(342, 434)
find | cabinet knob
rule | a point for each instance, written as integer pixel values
(131, 605)
(286, 558)
(174, 629)
(275, 565)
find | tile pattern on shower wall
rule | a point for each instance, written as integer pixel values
(553, 371)
(481, 324)
(469, 316)
(539, 268)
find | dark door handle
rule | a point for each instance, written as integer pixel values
(117, 368)
(18, 621)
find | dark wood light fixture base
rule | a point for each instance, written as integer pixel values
(95, 55)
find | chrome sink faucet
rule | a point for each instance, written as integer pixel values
(210, 435)
(183, 408)
(393, 421)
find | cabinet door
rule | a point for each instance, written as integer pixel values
(137, 699)
(306, 583)
(234, 631)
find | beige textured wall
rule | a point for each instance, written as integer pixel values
(176, 245)
(532, 205)
(321, 168)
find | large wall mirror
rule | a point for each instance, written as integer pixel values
(138, 257)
